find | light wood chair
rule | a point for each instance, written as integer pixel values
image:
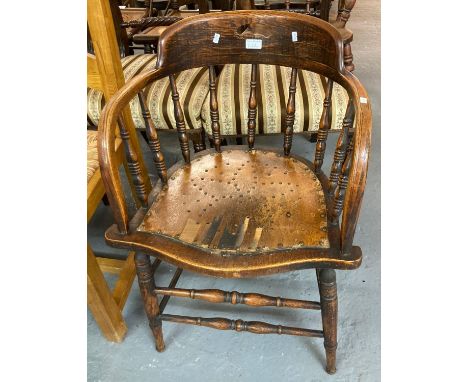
(237, 211)
(104, 72)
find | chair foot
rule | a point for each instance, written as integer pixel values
(150, 300)
(329, 301)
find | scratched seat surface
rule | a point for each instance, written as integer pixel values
(241, 201)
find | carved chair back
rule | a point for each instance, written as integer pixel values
(247, 37)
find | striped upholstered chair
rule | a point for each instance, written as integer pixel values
(192, 86)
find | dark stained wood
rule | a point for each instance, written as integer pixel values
(214, 113)
(172, 284)
(329, 303)
(256, 327)
(252, 299)
(146, 282)
(180, 122)
(340, 192)
(324, 127)
(341, 148)
(133, 165)
(290, 112)
(252, 114)
(153, 139)
(205, 220)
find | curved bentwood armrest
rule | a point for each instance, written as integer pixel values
(224, 38)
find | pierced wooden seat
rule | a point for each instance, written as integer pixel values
(242, 200)
(241, 211)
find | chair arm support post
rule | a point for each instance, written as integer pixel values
(108, 159)
(358, 173)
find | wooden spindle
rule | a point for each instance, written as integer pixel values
(153, 140)
(341, 148)
(133, 164)
(172, 284)
(180, 121)
(290, 111)
(214, 112)
(340, 192)
(287, 3)
(253, 299)
(344, 11)
(150, 301)
(324, 127)
(256, 327)
(252, 114)
(308, 3)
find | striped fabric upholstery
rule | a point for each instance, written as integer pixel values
(272, 95)
(92, 163)
(192, 86)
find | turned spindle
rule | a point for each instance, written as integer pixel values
(214, 112)
(153, 139)
(150, 301)
(324, 127)
(340, 192)
(252, 113)
(341, 148)
(256, 327)
(329, 302)
(180, 121)
(220, 296)
(344, 11)
(133, 164)
(290, 111)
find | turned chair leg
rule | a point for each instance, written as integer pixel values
(348, 57)
(150, 300)
(329, 302)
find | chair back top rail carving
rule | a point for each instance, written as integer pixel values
(189, 44)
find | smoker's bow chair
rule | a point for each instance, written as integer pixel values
(239, 211)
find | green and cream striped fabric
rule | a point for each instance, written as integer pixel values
(272, 95)
(192, 86)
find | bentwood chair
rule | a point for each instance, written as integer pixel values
(237, 211)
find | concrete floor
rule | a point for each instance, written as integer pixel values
(202, 354)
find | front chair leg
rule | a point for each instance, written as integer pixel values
(150, 300)
(329, 302)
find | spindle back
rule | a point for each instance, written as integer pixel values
(248, 37)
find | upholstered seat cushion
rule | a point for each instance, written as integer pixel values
(93, 162)
(272, 94)
(192, 86)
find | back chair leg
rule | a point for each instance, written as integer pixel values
(329, 303)
(150, 300)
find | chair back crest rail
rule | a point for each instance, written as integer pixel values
(192, 43)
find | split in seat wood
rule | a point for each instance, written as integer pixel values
(311, 226)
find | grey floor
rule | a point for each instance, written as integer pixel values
(201, 354)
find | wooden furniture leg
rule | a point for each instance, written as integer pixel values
(105, 310)
(348, 57)
(150, 300)
(329, 302)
